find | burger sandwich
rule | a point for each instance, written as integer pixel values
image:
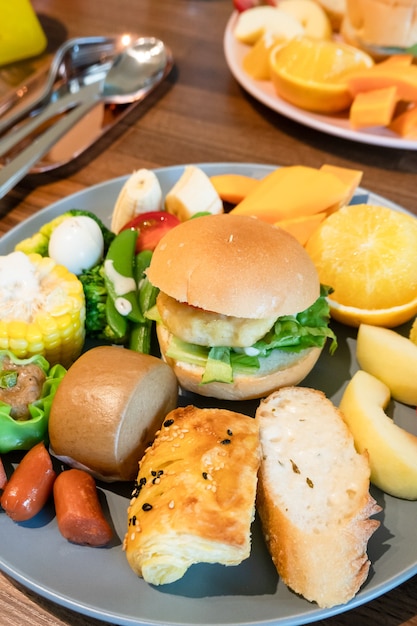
(240, 311)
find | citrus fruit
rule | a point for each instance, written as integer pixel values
(366, 253)
(309, 73)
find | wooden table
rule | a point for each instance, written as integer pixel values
(200, 114)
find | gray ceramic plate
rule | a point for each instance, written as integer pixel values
(99, 582)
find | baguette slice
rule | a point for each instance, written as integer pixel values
(313, 496)
(194, 499)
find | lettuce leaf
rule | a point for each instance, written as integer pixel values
(290, 333)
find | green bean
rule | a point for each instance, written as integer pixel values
(141, 333)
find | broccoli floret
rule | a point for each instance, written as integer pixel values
(39, 242)
(95, 293)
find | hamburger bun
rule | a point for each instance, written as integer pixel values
(222, 279)
(229, 264)
(108, 408)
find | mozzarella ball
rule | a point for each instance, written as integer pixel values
(77, 243)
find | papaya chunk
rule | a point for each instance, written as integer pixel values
(293, 191)
(233, 188)
(383, 75)
(373, 108)
(351, 178)
(302, 227)
(405, 124)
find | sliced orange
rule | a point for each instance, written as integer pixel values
(310, 73)
(367, 254)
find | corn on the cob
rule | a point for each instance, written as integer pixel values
(42, 309)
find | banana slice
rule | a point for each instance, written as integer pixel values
(140, 193)
(193, 193)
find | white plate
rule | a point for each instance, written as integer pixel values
(99, 582)
(263, 90)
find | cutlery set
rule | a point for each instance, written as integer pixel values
(85, 73)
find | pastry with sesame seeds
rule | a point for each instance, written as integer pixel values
(194, 497)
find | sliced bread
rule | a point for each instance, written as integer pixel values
(313, 496)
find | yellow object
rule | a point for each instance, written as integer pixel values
(392, 450)
(302, 227)
(391, 357)
(389, 317)
(373, 108)
(233, 187)
(311, 73)
(45, 313)
(256, 61)
(367, 254)
(21, 35)
(293, 191)
(311, 16)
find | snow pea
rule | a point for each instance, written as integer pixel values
(119, 272)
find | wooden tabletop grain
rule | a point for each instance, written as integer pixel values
(200, 114)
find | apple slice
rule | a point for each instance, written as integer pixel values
(253, 23)
(392, 450)
(392, 358)
(311, 16)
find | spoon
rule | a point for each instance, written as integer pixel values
(69, 60)
(134, 73)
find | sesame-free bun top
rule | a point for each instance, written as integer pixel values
(235, 265)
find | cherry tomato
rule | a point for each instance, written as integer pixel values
(151, 228)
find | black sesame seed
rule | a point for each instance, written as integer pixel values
(225, 442)
(153, 472)
(146, 506)
(204, 475)
(132, 520)
(168, 423)
(229, 432)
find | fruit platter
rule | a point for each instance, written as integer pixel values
(347, 92)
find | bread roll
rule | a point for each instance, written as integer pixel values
(194, 498)
(313, 496)
(107, 409)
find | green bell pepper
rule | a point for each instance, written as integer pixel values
(24, 434)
